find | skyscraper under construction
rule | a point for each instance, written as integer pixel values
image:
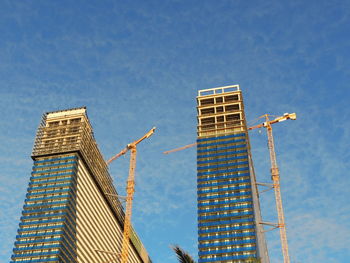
(71, 212)
(228, 203)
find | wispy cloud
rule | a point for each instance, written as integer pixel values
(135, 65)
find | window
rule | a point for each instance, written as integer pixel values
(207, 111)
(208, 120)
(219, 109)
(231, 98)
(232, 107)
(54, 123)
(207, 101)
(220, 119)
(233, 117)
(219, 100)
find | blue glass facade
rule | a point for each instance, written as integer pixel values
(227, 229)
(67, 216)
(47, 228)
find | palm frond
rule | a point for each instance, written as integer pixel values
(182, 255)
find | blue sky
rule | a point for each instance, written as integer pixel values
(138, 64)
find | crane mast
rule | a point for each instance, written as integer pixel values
(276, 179)
(276, 186)
(130, 190)
(274, 176)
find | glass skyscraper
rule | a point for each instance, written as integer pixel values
(71, 213)
(228, 202)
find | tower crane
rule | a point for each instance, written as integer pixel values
(181, 148)
(274, 175)
(276, 178)
(130, 189)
